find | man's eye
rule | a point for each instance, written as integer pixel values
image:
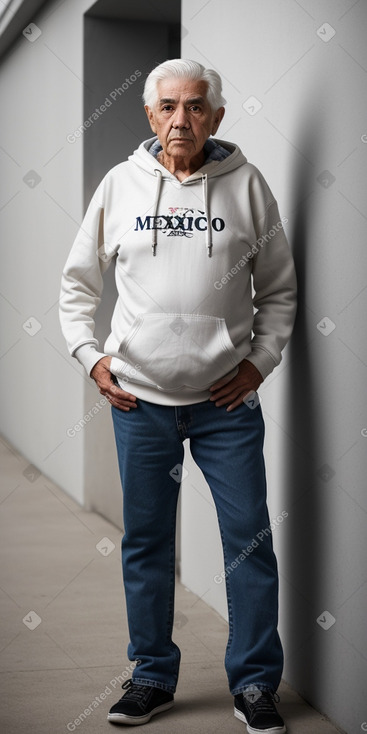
(167, 107)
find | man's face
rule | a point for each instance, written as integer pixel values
(182, 118)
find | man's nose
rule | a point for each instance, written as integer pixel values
(180, 118)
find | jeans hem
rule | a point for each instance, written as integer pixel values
(154, 684)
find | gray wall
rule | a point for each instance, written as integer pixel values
(309, 79)
(113, 51)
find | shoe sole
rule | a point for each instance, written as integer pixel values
(137, 720)
(273, 730)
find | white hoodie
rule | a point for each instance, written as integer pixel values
(184, 255)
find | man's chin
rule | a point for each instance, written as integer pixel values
(181, 149)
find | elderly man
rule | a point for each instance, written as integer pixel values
(206, 303)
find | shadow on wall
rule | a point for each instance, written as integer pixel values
(303, 563)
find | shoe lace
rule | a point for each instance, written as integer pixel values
(263, 704)
(134, 691)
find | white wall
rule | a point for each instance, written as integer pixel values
(42, 394)
(311, 85)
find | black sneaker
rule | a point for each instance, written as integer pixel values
(257, 709)
(139, 704)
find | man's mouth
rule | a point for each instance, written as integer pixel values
(179, 137)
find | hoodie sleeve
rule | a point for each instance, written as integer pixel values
(274, 283)
(82, 284)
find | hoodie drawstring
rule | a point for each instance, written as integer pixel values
(208, 234)
(158, 173)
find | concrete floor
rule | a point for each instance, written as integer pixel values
(63, 633)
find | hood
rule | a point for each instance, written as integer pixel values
(148, 163)
(145, 160)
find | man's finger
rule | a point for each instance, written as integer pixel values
(228, 390)
(234, 405)
(119, 398)
(222, 400)
(221, 383)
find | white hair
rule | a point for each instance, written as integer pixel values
(184, 69)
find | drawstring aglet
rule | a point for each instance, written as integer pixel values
(154, 245)
(209, 249)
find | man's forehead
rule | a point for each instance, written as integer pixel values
(173, 89)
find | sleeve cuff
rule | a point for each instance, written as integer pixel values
(263, 361)
(88, 356)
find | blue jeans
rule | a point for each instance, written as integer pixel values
(228, 448)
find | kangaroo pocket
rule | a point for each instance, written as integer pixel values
(180, 350)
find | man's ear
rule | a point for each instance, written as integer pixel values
(150, 116)
(218, 117)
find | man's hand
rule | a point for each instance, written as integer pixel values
(233, 391)
(114, 394)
